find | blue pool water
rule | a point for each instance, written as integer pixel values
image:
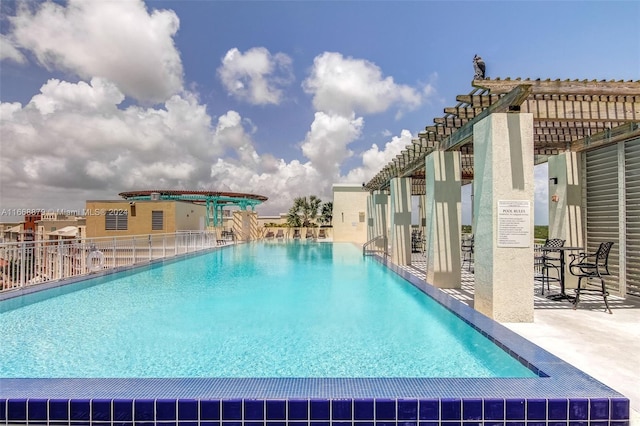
(251, 310)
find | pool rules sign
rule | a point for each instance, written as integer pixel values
(514, 223)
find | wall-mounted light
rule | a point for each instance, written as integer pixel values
(553, 180)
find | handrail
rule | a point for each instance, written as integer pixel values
(375, 240)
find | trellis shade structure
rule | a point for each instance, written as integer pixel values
(214, 201)
(569, 115)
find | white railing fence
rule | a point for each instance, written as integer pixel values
(33, 262)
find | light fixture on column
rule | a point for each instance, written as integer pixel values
(553, 180)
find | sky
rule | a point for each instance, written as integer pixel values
(276, 98)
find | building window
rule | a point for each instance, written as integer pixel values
(116, 221)
(157, 220)
(361, 216)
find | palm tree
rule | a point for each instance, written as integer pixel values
(326, 213)
(304, 211)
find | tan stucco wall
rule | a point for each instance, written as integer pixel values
(349, 213)
(178, 216)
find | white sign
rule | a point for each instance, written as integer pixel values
(514, 223)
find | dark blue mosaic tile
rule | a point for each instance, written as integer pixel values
(387, 423)
(17, 409)
(122, 410)
(451, 409)
(37, 409)
(557, 423)
(122, 423)
(276, 423)
(428, 424)
(599, 423)
(342, 423)
(492, 423)
(232, 409)
(276, 410)
(536, 409)
(233, 423)
(187, 409)
(494, 409)
(385, 409)
(515, 409)
(516, 423)
(573, 423)
(619, 409)
(599, 409)
(210, 423)
(166, 409)
(407, 423)
(3, 410)
(164, 423)
(428, 409)
(365, 423)
(341, 409)
(252, 423)
(407, 409)
(298, 409)
(558, 409)
(253, 409)
(320, 409)
(101, 410)
(472, 423)
(471, 409)
(536, 424)
(619, 423)
(143, 410)
(314, 424)
(363, 409)
(210, 410)
(451, 423)
(187, 423)
(578, 409)
(80, 410)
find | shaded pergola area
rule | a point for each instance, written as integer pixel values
(215, 201)
(568, 115)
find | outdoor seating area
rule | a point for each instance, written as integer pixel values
(467, 247)
(591, 266)
(549, 263)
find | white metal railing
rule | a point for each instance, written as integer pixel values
(32, 262)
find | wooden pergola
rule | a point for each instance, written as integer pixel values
(568, 115)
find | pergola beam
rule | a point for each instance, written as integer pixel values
(581, 87)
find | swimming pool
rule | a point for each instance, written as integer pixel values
(257, 310)
(558, 392)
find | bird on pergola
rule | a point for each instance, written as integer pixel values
(479, 67)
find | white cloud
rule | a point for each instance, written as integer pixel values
(342, 85)
(255, 76)
(116, 40)
(8, 51)
(374, 159)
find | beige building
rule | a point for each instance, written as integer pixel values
(122, 217)
(349, 213)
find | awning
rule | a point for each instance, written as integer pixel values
(67, 231)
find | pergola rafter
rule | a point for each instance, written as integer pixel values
(567, 114)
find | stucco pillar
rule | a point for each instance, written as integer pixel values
(380, 225)
(503, 178)
(444, 213)
(565, 204)
(245, 225)
(401, 221)
(370, 216)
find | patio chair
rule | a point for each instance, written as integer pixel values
(296, 234)
(589, 266)
(546, 260)
(322, 234)
(467, 251)
(269, 235)
(309, 235)
(280, 234)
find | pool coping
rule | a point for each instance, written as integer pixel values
(558, 381)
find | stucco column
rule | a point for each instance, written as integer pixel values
(565, 204)
(380, 206)
(370, 216)
(245, 225)
(503, 211)
(444, 213)
(401, 221)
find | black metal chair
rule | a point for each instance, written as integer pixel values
(547, 260)
(594, 265)
(467, 251)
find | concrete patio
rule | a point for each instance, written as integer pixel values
(602, 345)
